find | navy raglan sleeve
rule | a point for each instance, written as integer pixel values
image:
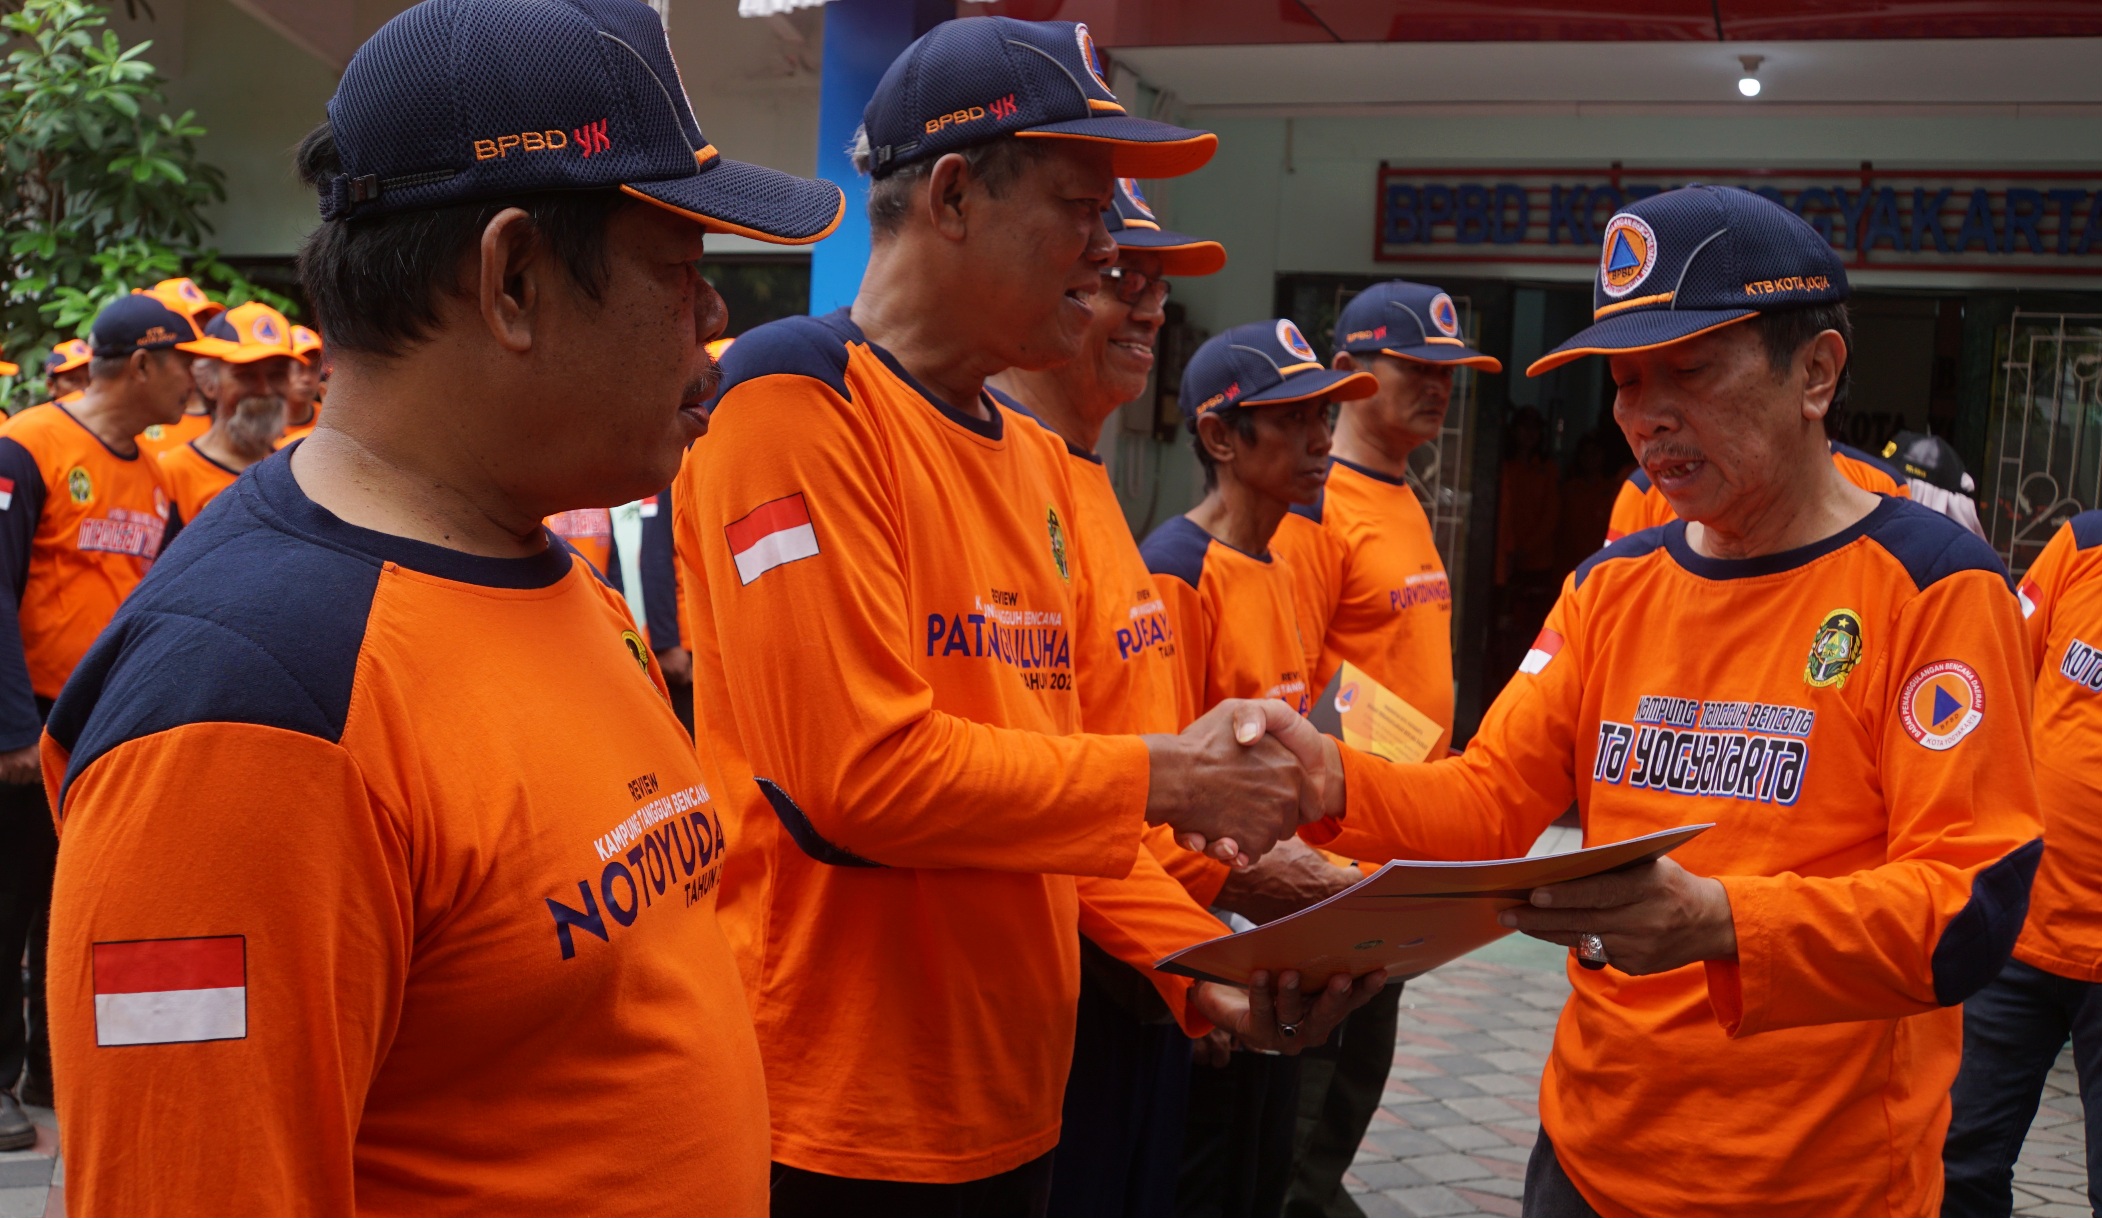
(21, 506)
(660, 582)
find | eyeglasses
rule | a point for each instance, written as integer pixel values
(1129, 284)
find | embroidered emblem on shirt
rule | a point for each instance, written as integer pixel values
(1941, 704)
(1835, 650)
(79, 486)
(1058, 544)
(637, 650)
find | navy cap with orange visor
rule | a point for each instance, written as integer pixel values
(458, 101)
(1133, 225)
(141, 323)
(1412, 321)
(1263, 363)
(1679, 264)
(68, 355)
(976, 79)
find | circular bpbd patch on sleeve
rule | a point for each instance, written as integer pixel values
(1941, 704)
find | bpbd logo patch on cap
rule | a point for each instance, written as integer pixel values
(266, 330)
(1138, 197)
(1088, 56)
(1445, 315)
(1292, 340)
(1629, 256)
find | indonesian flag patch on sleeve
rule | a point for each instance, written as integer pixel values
(775, 532)
(2029, 594)
(7, 493)
(1544, 650)
(171, 991)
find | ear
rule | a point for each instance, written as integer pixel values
(1344, 361)
(1216, 436)
(1822, 360)
(509, 289)
(948, 187)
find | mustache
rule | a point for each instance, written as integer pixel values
(1669, 454)
(703, 387)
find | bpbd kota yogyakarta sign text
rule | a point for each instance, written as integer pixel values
(2035, 221)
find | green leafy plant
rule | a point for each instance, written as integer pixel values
(101, 189)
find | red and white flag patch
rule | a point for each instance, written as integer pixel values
(775, 532)
(2028, 593)
(7, 493)
(1544, 650)
(171, 991)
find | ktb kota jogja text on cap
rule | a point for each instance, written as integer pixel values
(1687, 261)
(140, 323)
(975, 79)
(457, 101)
(1132, 225)
(1412, 321)
(1263, 363)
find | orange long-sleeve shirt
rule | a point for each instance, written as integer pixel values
(1854, 717)
(2061, 597)
(1640, 505)
(386, 884)
(879, 589)
(1372, 590)
(1127, 670)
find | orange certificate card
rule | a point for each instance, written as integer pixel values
(1373, 719)
(1407, 917)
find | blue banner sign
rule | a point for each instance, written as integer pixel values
(2043, 221)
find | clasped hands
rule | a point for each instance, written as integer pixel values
(1242, 778)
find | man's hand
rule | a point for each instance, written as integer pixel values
(20, 767)
(1258, 1017)
(1286, 880)
(1652, 918)
(676, 663)
(1319, 757)
(1228, 789)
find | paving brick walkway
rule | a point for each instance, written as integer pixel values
(1460, 1114)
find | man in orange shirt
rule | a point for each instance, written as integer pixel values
(2014, 1028)
(1837, 680)
(385, 870)
(81, 518)
(306, 386)
(1258, 404)
(245, 374)
(1373, 590)
(66, 369)
(189, 300)
(1121, 1128)
(882, 638)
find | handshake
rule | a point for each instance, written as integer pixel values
(1242, 778)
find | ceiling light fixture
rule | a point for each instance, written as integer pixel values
(1748, 84)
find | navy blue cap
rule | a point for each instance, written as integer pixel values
(1411, 320)
(1691, 260)
(455, 101)
(1263, 363)
(1131, 221)
(976, 79)
(140, 323)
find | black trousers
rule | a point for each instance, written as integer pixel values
(1549, 1192)
(2012, 1032)
(1120, 1138)
(1022, 1192)
(1340, 1087)
(28, 851)
(1237, 1149)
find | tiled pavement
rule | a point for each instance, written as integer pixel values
(1460, 1115)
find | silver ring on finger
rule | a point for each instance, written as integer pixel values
(1290, 1030)
(1591, 947)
